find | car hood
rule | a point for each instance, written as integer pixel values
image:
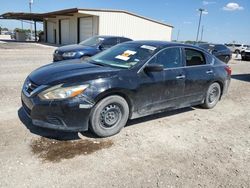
(70, 71)
(75, 47)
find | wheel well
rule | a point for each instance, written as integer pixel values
(128, 100)
(221, 87)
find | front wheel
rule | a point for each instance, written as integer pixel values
(109, 116)
(212, 96)
(84, 57)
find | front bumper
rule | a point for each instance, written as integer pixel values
(67, 115)
(57, 57)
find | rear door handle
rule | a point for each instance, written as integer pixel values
(180, 77)
(209, 71)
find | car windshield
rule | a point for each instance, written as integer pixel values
(93, 41)
(125, 55)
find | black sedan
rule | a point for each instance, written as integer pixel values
(218, 50)
(87, 48)
(127, 81)
(245, 54)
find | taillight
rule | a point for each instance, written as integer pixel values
(229, 70)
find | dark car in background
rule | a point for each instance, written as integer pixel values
(218, 50)
(245, 54)
(87, 48)
(127, 81)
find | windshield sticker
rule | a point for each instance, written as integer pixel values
(152, 48)
(101, 39)
(124, 58)
(126, 55)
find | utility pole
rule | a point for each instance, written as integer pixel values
(177, 39)
(30, 6)
(198, 31)
(22, 24)
(202, 31)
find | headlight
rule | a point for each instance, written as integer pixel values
(59, 92)
(69, 54)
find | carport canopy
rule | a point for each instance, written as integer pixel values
(37, 17)
(22, 16)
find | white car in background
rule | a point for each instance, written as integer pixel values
(237, 48)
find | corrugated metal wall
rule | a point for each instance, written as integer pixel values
(115, 23)
(122, 24)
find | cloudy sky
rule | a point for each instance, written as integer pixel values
(224, 21)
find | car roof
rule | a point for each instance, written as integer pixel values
(212, 44)
(110, 36)
(161, 44)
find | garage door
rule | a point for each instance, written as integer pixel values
(51, 38)
(86, 28)
(65, 32)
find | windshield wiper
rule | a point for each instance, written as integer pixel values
(97, 63)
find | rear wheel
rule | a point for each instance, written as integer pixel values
(212, 96)
(109, 116)
(227, 58)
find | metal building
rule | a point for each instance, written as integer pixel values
(74, 25)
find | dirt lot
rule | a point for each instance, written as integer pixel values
(191, 147)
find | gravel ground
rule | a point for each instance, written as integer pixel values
(191, 147)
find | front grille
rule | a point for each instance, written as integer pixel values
(54, 120)
(58, 57)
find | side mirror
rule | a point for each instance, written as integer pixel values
(101, 47)
(154, 68)
(214, 51)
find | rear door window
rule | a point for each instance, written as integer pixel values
(169, 58)
(194, 57)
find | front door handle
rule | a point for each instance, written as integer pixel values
(180, 77)
(209, 71)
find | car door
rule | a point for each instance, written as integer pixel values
(198, 74)
(161, 90)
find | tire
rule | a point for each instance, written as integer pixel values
(212, 96)
(243, 57)
(237, 51)
(84, 57)
(227, 59)
(109, 116)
